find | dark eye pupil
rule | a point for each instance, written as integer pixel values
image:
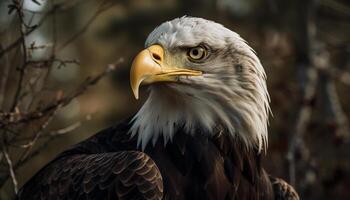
(196, 53)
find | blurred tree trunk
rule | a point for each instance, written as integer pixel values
(315, 82)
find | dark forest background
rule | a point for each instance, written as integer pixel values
(64, 70)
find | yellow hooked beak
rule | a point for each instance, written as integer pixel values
(149, 67)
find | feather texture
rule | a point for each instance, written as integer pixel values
(109, 166)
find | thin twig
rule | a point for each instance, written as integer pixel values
(25, 56)
(59, 132)
(4, 78)
(29, 146)
(49, 62)
(52, 135)
(11, 170)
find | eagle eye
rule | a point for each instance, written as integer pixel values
(197, 53)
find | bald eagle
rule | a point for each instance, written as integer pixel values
(200, 134)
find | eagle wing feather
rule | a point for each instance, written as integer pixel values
(115, 175)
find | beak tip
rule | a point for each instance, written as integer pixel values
(144, 65)
(136, 92)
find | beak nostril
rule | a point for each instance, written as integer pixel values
(156, 57)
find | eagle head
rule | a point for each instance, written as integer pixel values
(201, 75)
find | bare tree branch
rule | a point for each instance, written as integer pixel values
(11, 170)
(4, 78)
(22, 111)
(49, 112)
(62, 6)
(22, 27)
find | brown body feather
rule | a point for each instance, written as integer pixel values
(109, 166)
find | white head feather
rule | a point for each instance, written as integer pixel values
(232, 91)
